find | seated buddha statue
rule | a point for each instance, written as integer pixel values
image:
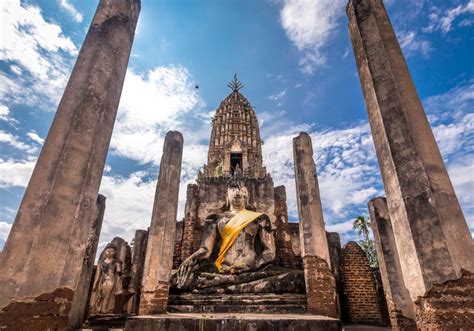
(245, 247)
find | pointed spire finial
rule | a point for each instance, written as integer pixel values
(235, 85)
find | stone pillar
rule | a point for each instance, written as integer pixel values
(138, 261)
(400, 306)
(320, 283)
(285, 254)
(79, 304)
(190, 218)
(177, 244)
(334, 245)
(434, 242)
(162, 233)
(47, 242)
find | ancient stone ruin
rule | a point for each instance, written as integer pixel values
(234, 262)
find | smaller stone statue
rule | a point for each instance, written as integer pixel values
(107, 282)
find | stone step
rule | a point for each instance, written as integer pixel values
(283, 309)
(238, 303)
(232, 322)
(238, 299)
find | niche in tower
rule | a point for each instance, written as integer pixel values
(236, 157)
(235, 161)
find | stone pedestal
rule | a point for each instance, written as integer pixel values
(162, 233)
(400, 306)
(433, 240)
(47, 242)
(320, 282)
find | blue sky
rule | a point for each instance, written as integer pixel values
(296, 61)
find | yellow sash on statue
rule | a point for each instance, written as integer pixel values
(232, 230)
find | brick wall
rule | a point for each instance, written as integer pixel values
(48, 311)
(448, 306)
(360, 303)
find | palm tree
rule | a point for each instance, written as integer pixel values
(362, 225)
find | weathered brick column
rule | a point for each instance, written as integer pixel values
(190, 218)
(433, 240)
(320, 282)
(285, 254)
(400, 306)
(138, 262)
(162, 233)
(47, 242)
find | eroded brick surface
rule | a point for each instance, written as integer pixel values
(448, 306)
(360, 300)
(48, 311)
(320, 287)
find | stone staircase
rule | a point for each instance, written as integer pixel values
(238, 303)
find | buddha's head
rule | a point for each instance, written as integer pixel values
(110, 251)
(237, 195)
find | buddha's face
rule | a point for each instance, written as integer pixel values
(237, 197)
(110, 253)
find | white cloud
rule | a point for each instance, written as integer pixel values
(128, 206)
(14, 141)
(278, 96)
(39, 51)
(150, 106)
(346, 163)
(309, 25)
(461, 172)
(5, 115)
(452, 118)
(35, 137)
(443, 19)
(71, 10)
(4, 231)
(15, 173)
(411, 43)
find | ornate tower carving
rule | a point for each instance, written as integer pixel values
(235, 146)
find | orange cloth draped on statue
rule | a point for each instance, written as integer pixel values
(232, 230)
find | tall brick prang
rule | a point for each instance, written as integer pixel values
(319, 279)
(162, 233)
(400, 306)
(45, 249)
(432, 237)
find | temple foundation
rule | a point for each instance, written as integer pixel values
(162, 233)
(43, 255)
(319, 279)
